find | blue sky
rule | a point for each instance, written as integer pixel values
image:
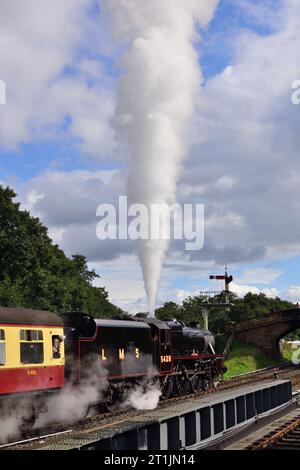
(216, 52)
(57, 138)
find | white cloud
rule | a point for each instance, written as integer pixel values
(66, 202)
(293, 293)
(242, 290)
(39, 41)
(182, 294)
(248, 130)
(259, 276)
(32, 198)
(124, 283)
(272, 293)
(225, 183)
(69, 198)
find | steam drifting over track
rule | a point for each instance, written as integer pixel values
(107, 421)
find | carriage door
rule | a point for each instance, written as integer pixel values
(165, 350)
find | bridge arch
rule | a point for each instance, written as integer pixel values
(265, 331)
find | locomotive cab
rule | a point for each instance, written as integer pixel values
(108, 348)
(162, 344)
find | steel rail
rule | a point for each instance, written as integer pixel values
(25, 441)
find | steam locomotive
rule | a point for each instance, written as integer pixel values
(41, 352)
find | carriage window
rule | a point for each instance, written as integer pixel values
(31, 335)
(31, 347)
(2, 348)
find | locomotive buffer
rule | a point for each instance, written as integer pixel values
(207, 295)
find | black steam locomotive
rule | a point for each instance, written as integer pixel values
(126, 351)
(41, 352)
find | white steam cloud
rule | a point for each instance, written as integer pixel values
(66, 406)
(157, 94)
(73, 402)
(13, 416)
(144, 396)
(9, 427)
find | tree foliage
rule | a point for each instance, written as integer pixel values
(35, 273)
(251, 306)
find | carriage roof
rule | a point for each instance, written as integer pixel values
(26, 316)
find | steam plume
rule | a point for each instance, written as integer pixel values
(13, 417)
(156, 96)
(66, 406)
(144, 396)
(72, 402)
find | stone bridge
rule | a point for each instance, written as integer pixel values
(266, 331)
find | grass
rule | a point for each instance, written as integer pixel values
(287, 351)
(244, 357)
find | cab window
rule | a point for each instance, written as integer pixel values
(2, 348)
(56, 354)
(165, 337)
(31, 346)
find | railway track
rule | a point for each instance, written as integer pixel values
(284, 437)
(284, 371)
(40, 438)
(33, 438)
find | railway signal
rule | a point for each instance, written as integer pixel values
(227, 279)
(207, 305)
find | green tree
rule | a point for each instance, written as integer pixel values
(168, 311)
(251, 306)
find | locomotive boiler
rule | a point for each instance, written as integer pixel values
(186, 340)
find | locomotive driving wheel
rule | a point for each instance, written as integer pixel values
(205, 385)
(197, 379)
(166, 387)
(196, 382)
(182, 381)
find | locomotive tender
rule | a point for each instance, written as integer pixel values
(41, 352)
